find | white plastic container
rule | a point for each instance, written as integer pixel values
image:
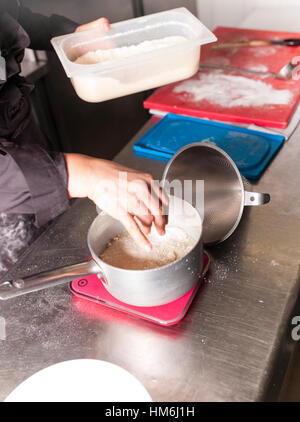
(145, 68)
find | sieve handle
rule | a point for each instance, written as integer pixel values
(255, 198)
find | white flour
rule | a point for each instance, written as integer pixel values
(111, 54)
(16, 233)
(263, 51)
(217, 61)
(160, 70)
(232, 91)
(123, 252)
(258, 68)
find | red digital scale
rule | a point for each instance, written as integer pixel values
(92, 288)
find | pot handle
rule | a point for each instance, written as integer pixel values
(32, 283)
(255, 198)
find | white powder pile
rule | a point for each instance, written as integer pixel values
(232, 91)
(123, 252)
(100, 56)
(258, 68)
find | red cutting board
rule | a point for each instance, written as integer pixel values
(271, 57)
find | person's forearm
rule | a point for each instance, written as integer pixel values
(78, 171)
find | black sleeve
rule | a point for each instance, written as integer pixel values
(32, 181)
(41, 28)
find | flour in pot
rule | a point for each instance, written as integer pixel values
(123, 252)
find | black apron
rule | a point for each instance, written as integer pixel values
(17, 231)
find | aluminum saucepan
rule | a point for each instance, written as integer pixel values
(152, 287)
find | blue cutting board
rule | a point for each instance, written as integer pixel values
(251, 150)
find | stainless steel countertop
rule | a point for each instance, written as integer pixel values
(234, 342)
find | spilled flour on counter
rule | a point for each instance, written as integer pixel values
(232, 91)
(17, 232)
(100, 56)
(123, 252)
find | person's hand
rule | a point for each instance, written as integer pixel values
(127, 195)
(101, 23)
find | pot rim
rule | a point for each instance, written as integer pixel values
(97, 258)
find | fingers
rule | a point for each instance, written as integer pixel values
(152, 202)
(132, 197)
(134, 230)
(101, 23)
(156, 189)
(163, 201)
(139, 209)
(145, 222)
(153, 185)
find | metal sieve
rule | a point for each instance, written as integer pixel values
(225, 190)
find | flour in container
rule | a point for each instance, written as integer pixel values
(148, 73)
(100, 56)
(123, 252)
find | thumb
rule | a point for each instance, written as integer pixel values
(101, 23)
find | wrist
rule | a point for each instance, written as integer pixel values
(78, 170)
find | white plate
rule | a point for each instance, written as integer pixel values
(81, 380)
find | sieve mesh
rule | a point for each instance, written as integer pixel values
(223, 189)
